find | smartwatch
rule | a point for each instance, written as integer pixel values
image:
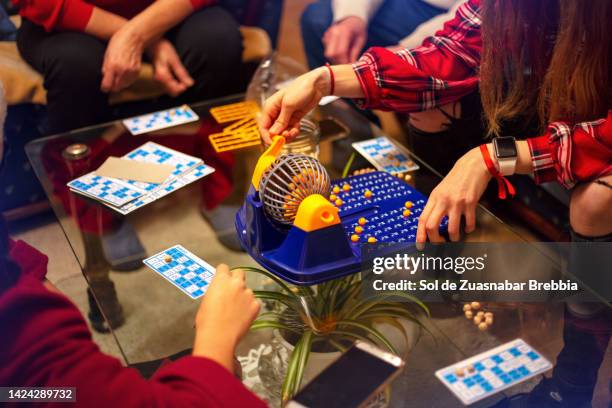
(506, 154)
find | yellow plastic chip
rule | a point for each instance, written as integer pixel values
(234, 111)
(227, 141)
(245, 123)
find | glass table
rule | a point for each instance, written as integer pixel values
(150, 319)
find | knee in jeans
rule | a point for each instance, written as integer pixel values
(71, 68)
(231, 56)
(314, 21)
(590, 209)
(201, 38)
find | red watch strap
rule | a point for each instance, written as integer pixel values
(503, 184)
(332, 79)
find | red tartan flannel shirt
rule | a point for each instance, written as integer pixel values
(445, 68)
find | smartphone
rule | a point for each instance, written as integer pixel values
(352, 380)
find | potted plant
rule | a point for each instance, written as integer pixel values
(333, 314)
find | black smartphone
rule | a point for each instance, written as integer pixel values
(352, 380)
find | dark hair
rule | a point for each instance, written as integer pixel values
(9, 271)
(563, 45)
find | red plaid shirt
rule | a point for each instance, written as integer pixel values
(445, 68)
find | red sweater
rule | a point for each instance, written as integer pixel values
(445, 68)
(75, 14)
(45, 342)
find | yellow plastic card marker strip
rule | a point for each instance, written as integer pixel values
(234, 111)
(223, 142)
(243, 123)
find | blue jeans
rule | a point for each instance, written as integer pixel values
(8, 32)
(394, 20)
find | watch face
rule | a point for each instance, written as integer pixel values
(505, 147)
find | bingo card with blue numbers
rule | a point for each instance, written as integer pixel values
(488, 373)
(151, 152)
(125, 196)
(190, 274)
(160, 120)
(162, 190)
(385, 155)
(105, 189)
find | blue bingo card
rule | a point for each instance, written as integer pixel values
(183, 269)
(152, 152)
(385, 155)
(105, 189)
(125, 196)
(160, 120)
(493, 371)
(164, 189)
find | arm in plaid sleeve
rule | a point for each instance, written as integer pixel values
(442, 70)
(571, 154)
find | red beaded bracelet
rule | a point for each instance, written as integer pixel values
(502, 183)
(332, 79)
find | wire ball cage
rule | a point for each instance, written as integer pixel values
(307, 141)
(288, 181)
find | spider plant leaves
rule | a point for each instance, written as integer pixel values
(336, 312)
(350, 336)
(303, 357)
(348, 165)
(288, 388)
(296, 366)
(273, 324)
(389, 311)
(347, 293)
(270, 313)
(287, 300)
(387, 295)
(267, 274)
(337, 345)
(341, 292)
(358, 309)
(393, 322)
(371, 331)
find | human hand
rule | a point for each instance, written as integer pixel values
(345, 39)
(122, 60)
(169, 70)
(457, 195)
(283, 111)
(224, 317)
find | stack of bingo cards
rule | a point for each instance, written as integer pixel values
(240, 134)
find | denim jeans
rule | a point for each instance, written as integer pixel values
(585, 339)
(8, 31)
(394, 20)
(71, 62)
